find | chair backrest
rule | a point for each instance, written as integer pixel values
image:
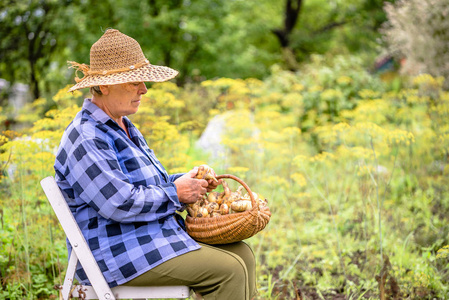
(81, 252)
(76, 238)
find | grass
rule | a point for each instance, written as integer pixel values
(355, 175)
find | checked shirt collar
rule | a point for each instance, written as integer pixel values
(101, 117)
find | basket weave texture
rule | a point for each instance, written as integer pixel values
(229, 228)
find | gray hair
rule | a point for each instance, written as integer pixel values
(95, 90)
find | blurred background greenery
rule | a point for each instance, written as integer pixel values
(201, 39)
(335, 110)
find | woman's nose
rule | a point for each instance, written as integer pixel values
(143, 88)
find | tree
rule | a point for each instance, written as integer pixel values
(321, 26)
(201, 39)
(29, 38)
(38, 37)
(291, 13)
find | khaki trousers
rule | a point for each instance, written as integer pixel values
(223, 272)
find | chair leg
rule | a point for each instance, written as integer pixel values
(69, 276)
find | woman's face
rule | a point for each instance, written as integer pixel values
(123, 99)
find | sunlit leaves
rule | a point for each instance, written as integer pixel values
(325, 149)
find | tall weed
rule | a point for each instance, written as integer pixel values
(355, 175)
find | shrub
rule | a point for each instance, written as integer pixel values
(418, 31)
(355, 176)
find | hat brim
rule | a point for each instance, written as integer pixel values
(148, 73)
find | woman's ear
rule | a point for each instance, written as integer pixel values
(104, 89)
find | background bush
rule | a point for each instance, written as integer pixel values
(418, 33)
(355, 179)
(353, 164)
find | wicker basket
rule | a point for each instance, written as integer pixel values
(229, 228)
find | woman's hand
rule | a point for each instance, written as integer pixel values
(189, 188)
(213, 184)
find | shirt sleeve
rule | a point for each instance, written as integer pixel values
(96, 177)
(173, 177)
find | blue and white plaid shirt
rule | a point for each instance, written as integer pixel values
(121, 196)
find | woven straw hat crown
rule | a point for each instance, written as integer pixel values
(117, 58)
(115, 50)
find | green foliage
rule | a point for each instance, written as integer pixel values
(355, 175)
(35, 35)
(337, 27)
(201, 39)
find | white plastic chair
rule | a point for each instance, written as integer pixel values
(81, 252)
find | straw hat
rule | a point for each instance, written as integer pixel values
(117, 58)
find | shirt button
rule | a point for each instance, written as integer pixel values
(179, 228)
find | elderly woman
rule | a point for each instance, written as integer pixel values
(122, 197)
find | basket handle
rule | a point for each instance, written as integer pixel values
(253, 201)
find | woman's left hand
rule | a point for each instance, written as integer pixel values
(213, 184)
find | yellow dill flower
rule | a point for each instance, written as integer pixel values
(175, 103)
(63, 98)
(299, 160)
(239, 87)
(443, 140)
(271, 136)
(322, 157)
(444, 96)
(160, 98)
(177, 160)
(213, 112)
(331, 94)
(301, 195)
(297, 87)
(363, 170)
(269, 117)
(177, 170)
(291, 131)
(399, 136)
(299, 179)
(341, 130)
(368, 94)
(222, 83)
(44, 160)
(11, 134)
(428, 80)
(291, 100)
(277, 181)
(254, 82)
(316, 88)
(273, 97)
(375, 111)
(56, 119)
(344, 80)
(190, 125)
(197, 163)
(3, 139)
(238, 171)
(325, 133)
(360, 152)
(370, 128)
(441, 109)
(167, 86)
